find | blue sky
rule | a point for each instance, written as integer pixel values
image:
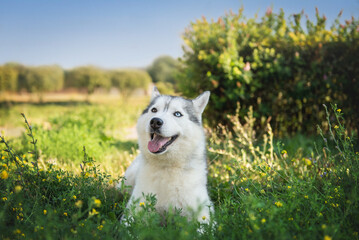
(119, 33)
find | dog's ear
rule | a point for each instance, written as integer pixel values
(201, 101)
(155, 93)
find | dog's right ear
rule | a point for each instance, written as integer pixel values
(201, 101)
(155, 93)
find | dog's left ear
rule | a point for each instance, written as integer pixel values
(201, 101)
(155, 93)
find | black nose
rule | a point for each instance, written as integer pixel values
(156, 123)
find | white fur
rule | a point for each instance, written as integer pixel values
(178, 176)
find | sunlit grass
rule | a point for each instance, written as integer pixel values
(261, 188)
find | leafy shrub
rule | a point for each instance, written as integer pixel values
(164, 69)
(274, 65)
(88, 78)
(8, 78)
(128, 81)
(165, 88)
(44, 79)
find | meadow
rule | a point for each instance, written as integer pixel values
(61, 161)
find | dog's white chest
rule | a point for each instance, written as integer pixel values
(172, 186)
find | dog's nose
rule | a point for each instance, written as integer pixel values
(156, 123)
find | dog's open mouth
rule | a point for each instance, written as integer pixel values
(159, 144)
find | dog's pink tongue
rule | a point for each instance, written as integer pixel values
(157, 142)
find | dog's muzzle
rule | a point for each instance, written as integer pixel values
(158, 143)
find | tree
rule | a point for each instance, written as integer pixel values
(8, 78)
(164, 69)
(88, 77)
(44, 79)
(128, 81)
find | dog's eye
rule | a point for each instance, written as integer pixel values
(178, 114)
(154, 110)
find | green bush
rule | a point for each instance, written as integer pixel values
(164, 69)
(8, 79)
(44, 78)
(165, 88)
(128, 81)
(274, 65)
(88, 78)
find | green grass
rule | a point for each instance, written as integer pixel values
(62, 130)
(262, 188)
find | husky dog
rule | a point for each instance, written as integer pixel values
(172, 160)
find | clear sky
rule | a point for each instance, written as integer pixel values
(122, 33)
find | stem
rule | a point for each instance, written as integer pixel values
(30, 134)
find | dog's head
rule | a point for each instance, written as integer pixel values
(171, 125)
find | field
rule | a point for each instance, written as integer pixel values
(58, 174)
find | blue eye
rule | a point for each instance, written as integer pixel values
(178, 114)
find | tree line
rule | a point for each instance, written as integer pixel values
(16, 77)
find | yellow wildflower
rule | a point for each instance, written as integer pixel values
(278, 204)
(306, 196)
(93, 212)
(142, 204)
(97, 202)
(307, 161)
(18, 188)
(100, 227)
(78, 204)
(336, 127)
(4, 175)
(65, 213)
(4, 199)
(289, 187)
(290, 219)
(338, 110)
(74, 197)
(45, 212)
(326, 237)
(263, 220)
